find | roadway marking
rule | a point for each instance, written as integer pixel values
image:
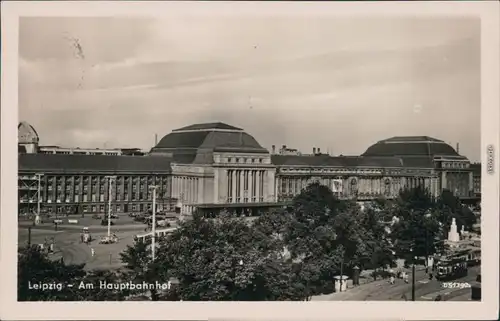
(423, 281)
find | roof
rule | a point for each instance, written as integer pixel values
(197, 143)
(217, 125)
(27, 133)
(60, 163)
(411, 146)
(351, 161)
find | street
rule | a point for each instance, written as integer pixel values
(425, 290)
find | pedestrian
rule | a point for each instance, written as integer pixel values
(92, 251)
(405, 277)
(392, 280)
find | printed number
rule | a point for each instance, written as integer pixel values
(490, 163)
(456, 285)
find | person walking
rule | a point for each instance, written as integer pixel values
(405, 277)
(92, 251)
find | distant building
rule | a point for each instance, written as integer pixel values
(476, 177)
(215, 166)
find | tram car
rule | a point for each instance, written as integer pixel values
(474, 257)
(452, 267)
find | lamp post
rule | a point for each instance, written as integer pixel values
(413, 277)
(111, 180)
(153, 221)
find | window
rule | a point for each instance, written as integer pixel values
(101, 208)
(85, 197)
(118, 208)
(237, 160)
(94, 208)
(134, 208)
(229, 160)
(101, 198)
(260, 160)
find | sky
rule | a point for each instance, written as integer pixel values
(303, 81)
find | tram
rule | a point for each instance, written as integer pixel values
(452, 267)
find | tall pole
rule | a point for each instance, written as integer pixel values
(153, 229)
(413, 282)
(39, 198)
(110, 182)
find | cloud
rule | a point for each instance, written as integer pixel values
(334, 83)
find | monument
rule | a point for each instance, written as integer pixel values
(453, 236)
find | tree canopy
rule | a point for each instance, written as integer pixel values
(288, 253)
(35, 268)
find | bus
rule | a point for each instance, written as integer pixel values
(452, 267)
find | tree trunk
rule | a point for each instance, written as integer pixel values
(154, 295)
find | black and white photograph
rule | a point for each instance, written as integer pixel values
(251, 157)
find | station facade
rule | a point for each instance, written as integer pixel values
(216, 166)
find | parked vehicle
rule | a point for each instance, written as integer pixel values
(96, 217)
(108, 240)
(105, 222)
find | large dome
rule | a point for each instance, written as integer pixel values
(196, 143)
(411, 146)
(26, 134)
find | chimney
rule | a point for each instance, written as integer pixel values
(319, 150)
(273, 149)
(314, 150)
(458, 148)
(156, 139)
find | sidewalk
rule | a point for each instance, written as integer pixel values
(367, 285)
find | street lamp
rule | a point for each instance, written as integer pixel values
(413, 277)
(153, 221)
(111, 180)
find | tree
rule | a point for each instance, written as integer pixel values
(35, 268)
(226, 259)
(97, 293)
(141, 268)
(329, 236)
(451, 207)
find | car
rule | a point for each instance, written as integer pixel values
(96, 217)
(114, 216)
(105, 222)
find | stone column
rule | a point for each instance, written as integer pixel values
(444, 181)
(242, 185)
(234, 186)
(216, 186)
(272, 188)
(471, 184)
(257, 189)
